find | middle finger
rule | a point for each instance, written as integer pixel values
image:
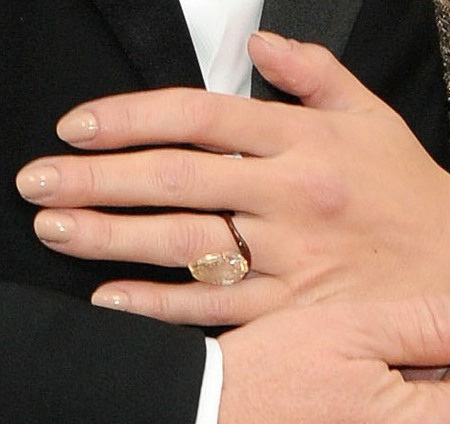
(162, 177)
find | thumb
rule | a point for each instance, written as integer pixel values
(310, 72)
(414, 332)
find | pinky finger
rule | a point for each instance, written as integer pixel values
(193, 303)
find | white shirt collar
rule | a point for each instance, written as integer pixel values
(220, 30)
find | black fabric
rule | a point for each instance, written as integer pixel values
(63, 361)
(150, 49)
(394, 50)
(56, 56)
(59, 353)
(328, 22)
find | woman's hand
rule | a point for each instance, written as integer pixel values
(336, 198)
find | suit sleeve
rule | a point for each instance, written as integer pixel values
(64, 361)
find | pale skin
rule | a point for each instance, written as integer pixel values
(336, 198)
(338, 202)
(331, 364)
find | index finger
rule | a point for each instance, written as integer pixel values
(180, 115)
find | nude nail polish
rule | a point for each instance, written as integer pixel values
(36, 182)
(77, 126)
(273, 40)
(54, 227)
(111, 299)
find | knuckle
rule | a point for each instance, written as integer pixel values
(93, 179)
(322, 62)
(324, 192)
(159, 305)
(198, 112)
(103, 237)
(135, 118)
(324, 57)
(327, 195)
(217, 310)
(186, 241)
(176, 174)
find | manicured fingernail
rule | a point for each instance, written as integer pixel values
(111, 299)
(273, 40)
(77, 126)
(36, 182)
(54, 227)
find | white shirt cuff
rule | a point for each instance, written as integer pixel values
(209, 403)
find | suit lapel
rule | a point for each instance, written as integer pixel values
(327, 22)
(156, 40)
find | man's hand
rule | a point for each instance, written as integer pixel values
(331, 364)
(335, 197)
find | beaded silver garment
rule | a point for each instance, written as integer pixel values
(443, 23)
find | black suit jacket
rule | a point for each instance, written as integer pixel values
(61, 359)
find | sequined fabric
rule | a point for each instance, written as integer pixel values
(443, 23)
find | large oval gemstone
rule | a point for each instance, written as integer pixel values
(224, 268)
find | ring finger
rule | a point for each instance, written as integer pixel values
(172, 240)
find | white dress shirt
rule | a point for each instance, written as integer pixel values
(220, 30)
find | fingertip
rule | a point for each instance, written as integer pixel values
(277, 59)
(35, 183)
(270, 40)
(264, 48)
(111, 298)
(77, 126)
(55, 227)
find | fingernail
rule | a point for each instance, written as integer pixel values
(111, 299)
(273, 40)
(54, 227)
(34, 183)
(77, 126)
